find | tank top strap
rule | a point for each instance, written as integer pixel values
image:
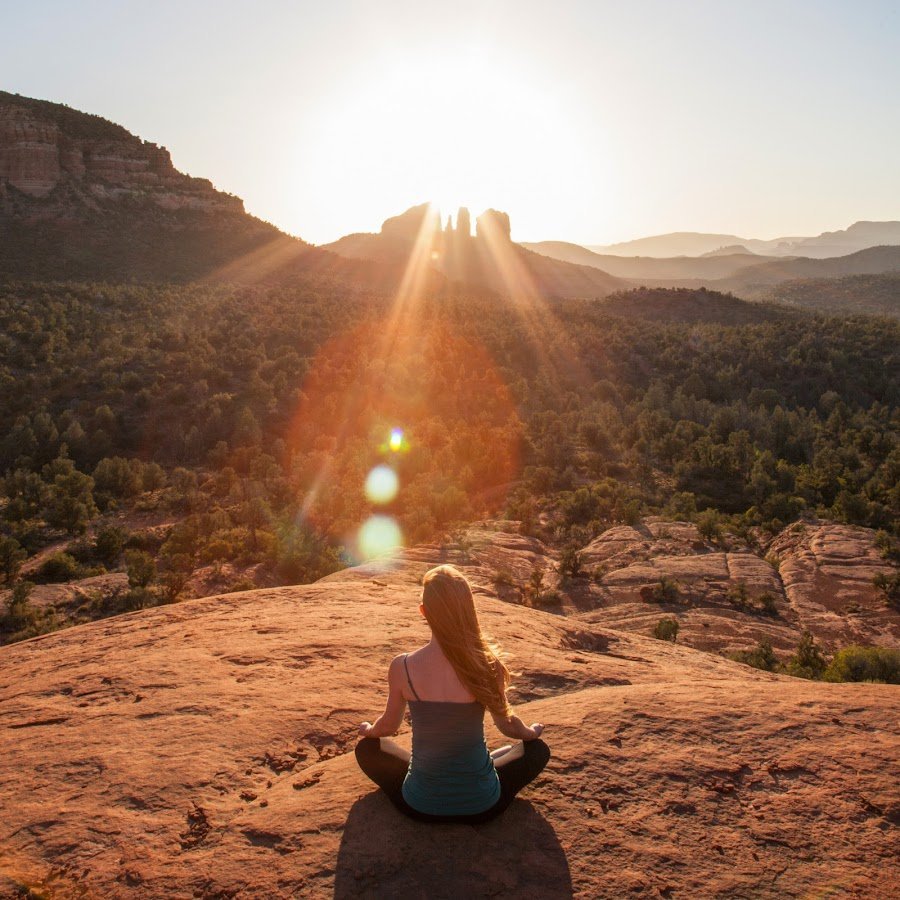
(411, 687)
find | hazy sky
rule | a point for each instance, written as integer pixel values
(588, 121)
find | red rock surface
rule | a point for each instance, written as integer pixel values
(38, 154)
(827, 573)
(203, 750)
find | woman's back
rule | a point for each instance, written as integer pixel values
(450, 776)
(450, 770)
(435, 678)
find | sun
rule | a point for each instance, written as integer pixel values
(462, 129)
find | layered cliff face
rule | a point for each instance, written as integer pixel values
(83, 198)
(44, 146)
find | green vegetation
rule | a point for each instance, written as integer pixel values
(20, 619)
(250, 417)
(666, 630)
(760, 657)
(570, 562)
(666, 590)
(854, 663)
(808, 661)
(871, 294)
(889, 585)
(864, 664)
(880, 664)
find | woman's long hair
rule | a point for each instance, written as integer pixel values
(450, 611)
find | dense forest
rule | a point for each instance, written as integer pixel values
(244, 421)
(872, 294)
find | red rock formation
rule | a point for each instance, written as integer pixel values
(819, 577)
(38, 154)
(492, 225)
(204, 749)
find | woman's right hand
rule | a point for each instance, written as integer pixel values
(537, 728)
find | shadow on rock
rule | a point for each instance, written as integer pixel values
(384, 854)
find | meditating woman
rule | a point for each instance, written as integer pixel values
(450, 775)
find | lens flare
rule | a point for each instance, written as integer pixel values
(396, 441)
(379, 536)
(382, 484)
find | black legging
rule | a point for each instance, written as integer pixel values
(388, 772)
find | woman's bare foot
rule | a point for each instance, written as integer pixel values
(517, 751)
(500, 751)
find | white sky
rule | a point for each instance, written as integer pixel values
(588, 121)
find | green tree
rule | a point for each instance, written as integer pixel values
(109, 543)
(762, 656)
(11, 558)
(808, 661)
(570, 562)
(71, 502)
(141, 568)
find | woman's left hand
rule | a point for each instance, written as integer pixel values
(364, 729)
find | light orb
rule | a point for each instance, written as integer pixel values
(382, 484)
(379, 536)
(396, 441)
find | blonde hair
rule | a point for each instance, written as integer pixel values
(450, 611)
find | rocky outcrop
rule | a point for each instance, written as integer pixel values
(489, 259)
(492, 225)
(204, 749)
(44, 147)
(82, 198)
(827, 573)
(814, 577)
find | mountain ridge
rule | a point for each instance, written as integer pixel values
(858, 236)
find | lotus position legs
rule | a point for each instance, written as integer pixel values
(386, 763)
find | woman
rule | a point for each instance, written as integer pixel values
(450, 775)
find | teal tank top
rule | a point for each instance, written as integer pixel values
(450, 772)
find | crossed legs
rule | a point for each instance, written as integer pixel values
(386, 763)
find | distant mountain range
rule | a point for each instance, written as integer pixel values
(858, 236)
(83, 198)
(712, 266)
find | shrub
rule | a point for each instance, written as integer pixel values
(865, 664)
(20, 620)
(570, 562)
(535, 593)
(709, 525)
(808, 661)
(504, 577)
(109, 543)
(57, 568)
(737, 594)
(140, 567)
(242, 584)
(666, 630)
(548, 598)
(117, 477)
(463, 543)
(889, 585)
(767, 603)
(666, 590)
(11, 558)
(760, 657)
